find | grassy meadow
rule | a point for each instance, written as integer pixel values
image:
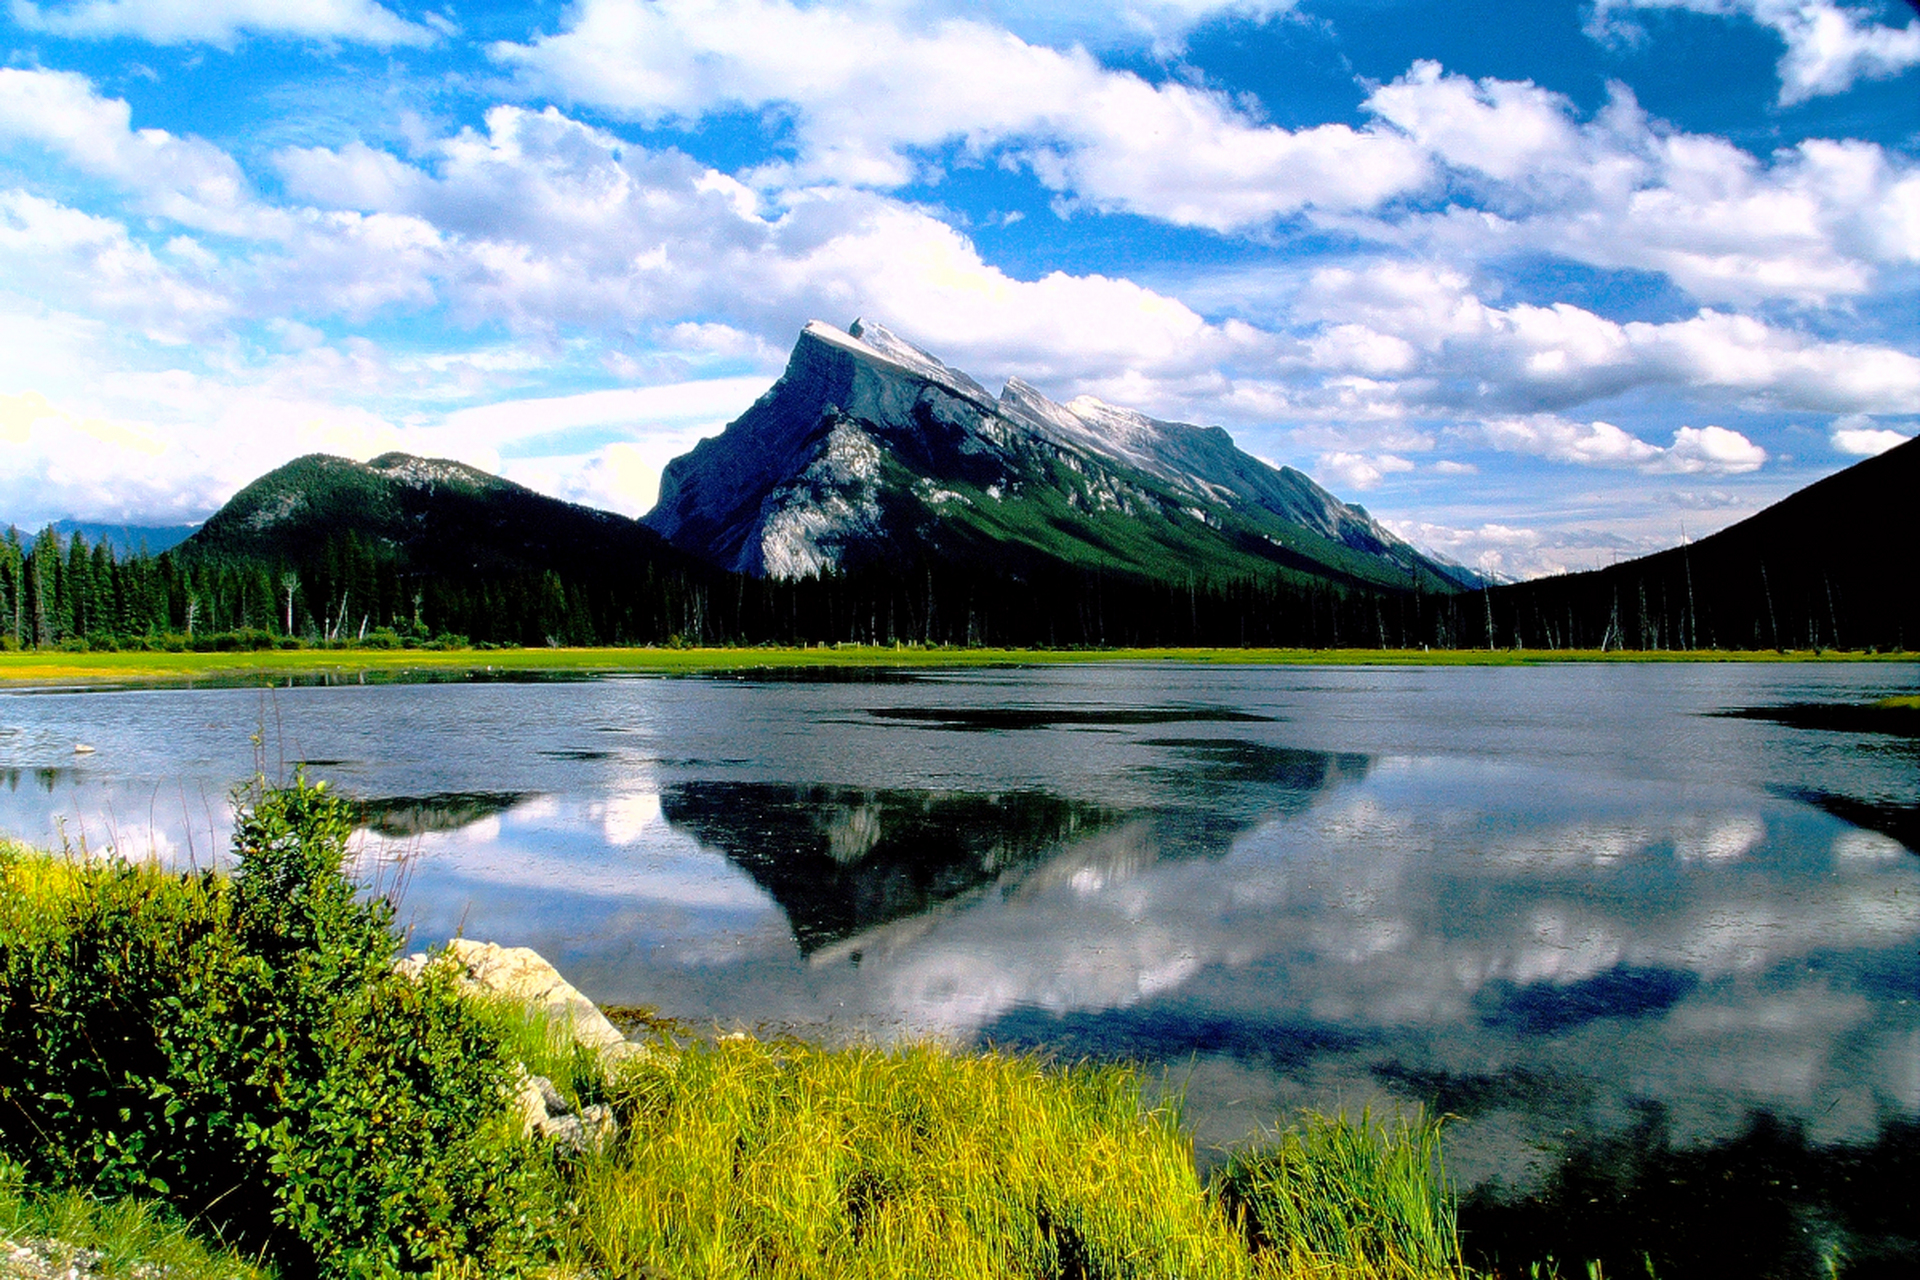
(226, 1075)
(47, 667)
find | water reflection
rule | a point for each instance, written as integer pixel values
(1764, 1202)
(404, 817)
(1896, 821)
(842, 862)
(44, 778)
(1013, 719)
(1555, 903)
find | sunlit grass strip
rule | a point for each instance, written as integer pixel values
(746, 1158)
(33, 668)
(133, 1238)
(1336, 1192)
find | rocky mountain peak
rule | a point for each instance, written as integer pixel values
(887, 353)
(425, 473)
(870, 449)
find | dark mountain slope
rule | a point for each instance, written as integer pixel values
(1832, 565)
(427, 515)
(428, 543)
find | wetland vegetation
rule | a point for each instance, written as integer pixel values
(227, 1074)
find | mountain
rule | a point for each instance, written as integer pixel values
(432, 545)
(869, 452)
(128, 539)
(428, 515)
(1833, 565)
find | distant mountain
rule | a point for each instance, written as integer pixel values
(125, 539)
(869, 452)
(1833, 565)
(427, 515)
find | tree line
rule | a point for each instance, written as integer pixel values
(60, 592)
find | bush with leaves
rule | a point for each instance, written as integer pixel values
(242, 1049)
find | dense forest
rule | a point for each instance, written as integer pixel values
(476, 560)
(61, 592)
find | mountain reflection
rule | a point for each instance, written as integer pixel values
(845, 863)
(1765, 1202)
(399, 817)
(841, 862)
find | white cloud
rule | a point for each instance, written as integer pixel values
(1357, 471)
(1829, 46)
(1504, 129)
(187, 180)
(1857, 436)
(874, 96)
(1819, 220)
(870, 91)
(1513, 551)
(223, 22)
(1584, 444)
(63, 257)
(1713, 450)
(544, 222)
(1454, 351)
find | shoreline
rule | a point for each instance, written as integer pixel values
(35, 669)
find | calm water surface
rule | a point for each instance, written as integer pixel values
(1564, 903)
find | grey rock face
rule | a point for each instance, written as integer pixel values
(868, 445)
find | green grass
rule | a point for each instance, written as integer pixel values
(748, 1158)
(134, 1238)
(50, 668)
(1335, 1189)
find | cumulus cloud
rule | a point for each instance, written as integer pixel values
(186, 180)
(224, 22)
(1454, 351)
(1816, 221)
(1510, 551)
(1358, 470)
(1711, 450)
(543, 221)
(62, 256)
(1857, 436)
(880, 97)
(1830, 46)
(872, 91)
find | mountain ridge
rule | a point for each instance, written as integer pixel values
(1822, 567)
(869, 449)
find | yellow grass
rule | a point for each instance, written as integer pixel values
(44, 668)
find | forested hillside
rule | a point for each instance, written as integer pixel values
(404, 551)
(58, 592)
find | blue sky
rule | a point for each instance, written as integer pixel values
(1542, 285)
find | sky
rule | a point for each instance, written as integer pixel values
(1542, 285)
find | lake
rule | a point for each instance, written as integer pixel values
(1621, 934)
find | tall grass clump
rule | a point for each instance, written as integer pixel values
(756, 1159)
(241, 1050)
(1341, 1196)
(125, 1238)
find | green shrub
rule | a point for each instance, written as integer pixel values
(1350, 1196)
(242, 1049)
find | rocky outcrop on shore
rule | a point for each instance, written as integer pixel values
(524, 975)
